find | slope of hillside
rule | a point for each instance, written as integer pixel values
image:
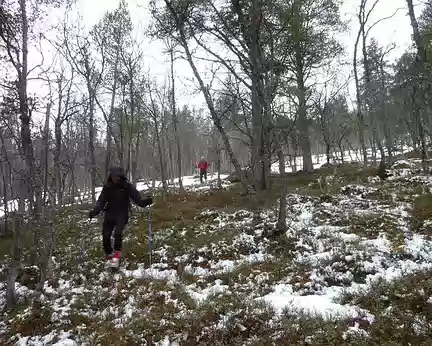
(353, 268)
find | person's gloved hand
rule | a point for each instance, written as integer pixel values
(91, 214)
(149, 200)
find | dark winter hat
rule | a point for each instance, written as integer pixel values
(117, 172)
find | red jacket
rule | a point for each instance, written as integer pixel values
(203, 165)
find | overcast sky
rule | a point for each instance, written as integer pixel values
(395, 30)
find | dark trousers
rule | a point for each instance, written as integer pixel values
(203, 175)
(109, 225)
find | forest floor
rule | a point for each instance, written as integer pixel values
(354, 268)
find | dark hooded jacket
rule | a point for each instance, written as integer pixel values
(115, 198)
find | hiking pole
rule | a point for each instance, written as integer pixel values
(82, 256)
(150, 235)
(83, 252)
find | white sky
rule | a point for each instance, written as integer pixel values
(395, 30)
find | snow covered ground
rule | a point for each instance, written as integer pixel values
(349, 156)
(341, 272)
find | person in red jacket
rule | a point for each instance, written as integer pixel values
(203, 167)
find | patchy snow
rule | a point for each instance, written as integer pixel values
(331, 248)
(66, 342)
(151, 273)
(348, 156)
(208, 292)
(49, 339)
(284, 297)
(167, 342)
(189, 181)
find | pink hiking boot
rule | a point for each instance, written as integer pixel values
(115, 261)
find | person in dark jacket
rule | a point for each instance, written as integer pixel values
(115, 201)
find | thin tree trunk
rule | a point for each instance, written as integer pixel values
(46, 227)
(111, 115)
(132, 121)
(136, 152)
(257, 126)
(46, 151)
(7, 180)
(419, 63)
(5, 196)
(73, 183)
(57, 168)
(109, 133)
(327, 152)
(91, 131)
(129, 158)
(360, 116)
(294, 166)
(161, 155)
(175, 122)
(386, 129)
(341, 150)
(218, 167)
(33, 180)
(168, 146)
(120, 151)
(281, 225)
(302, 118)
(45, 263)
